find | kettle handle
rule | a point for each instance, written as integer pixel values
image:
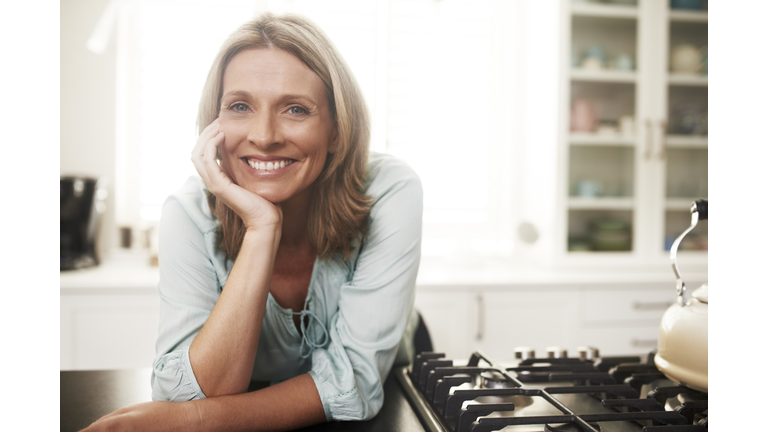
(699, 210)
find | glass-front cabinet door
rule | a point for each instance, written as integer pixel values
(634, 128)
(685, 151)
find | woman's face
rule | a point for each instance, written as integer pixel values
(278, 128)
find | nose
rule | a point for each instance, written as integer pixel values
(264, 130)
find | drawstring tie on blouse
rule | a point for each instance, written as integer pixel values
(307, 333)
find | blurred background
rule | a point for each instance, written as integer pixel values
(560, 145)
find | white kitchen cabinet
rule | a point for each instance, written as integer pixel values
(536, 319)
(633, 133)
(108, 330)
(618, 318)
(446, 313)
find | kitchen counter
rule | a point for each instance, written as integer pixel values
(88, 395)
(129, 272)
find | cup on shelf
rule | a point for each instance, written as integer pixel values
(584, 115)
(627, 126)
(594, 58)
(589, 188)
(624, 62)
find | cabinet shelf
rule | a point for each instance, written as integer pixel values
(605, 75)
(688, 16)
(600, 203)
(687, 141)
(610, 140)
(604, 11)
(687, 79)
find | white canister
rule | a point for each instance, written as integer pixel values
(686, 58)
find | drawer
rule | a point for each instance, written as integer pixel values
(621, 340)
(625, 305)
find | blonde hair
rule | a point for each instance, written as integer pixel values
(339, 212)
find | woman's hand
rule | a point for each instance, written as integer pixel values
(252, 208)
(151, 416)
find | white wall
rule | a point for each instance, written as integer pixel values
(88, 104)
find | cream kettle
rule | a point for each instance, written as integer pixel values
(683, 335)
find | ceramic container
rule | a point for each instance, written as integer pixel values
(683, 342)
(686, 58)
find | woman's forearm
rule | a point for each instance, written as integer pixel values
(223, 352)
(289, 405)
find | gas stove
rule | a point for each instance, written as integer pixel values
(555, 393)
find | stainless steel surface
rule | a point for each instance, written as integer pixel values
(588, 353)
(682, 298)
(556, 352)
(524, 353)
(428, 418)
(540, 405)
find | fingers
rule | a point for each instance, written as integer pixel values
(204, 152)
(209, 132)
(217, 179)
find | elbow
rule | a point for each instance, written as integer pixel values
(356, 407)
(172, 381)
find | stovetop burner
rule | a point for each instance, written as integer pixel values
(557, 393)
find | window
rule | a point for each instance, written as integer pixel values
(440, 78)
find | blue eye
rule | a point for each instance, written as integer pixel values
(238, 107)
(297, 110)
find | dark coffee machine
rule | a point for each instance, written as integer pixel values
(82, 207)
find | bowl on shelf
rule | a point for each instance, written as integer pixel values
(578, 244)
(610, 235)
(688, 118)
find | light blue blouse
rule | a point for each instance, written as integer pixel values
(360, 311)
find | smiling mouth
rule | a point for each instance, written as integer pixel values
(269, 166)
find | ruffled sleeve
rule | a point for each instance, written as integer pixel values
(191, 274)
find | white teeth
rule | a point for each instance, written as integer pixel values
(269, 166)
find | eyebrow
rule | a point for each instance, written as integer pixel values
(244, 93)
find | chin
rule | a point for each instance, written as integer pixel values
(271, 195)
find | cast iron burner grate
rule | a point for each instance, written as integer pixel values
(598, 395)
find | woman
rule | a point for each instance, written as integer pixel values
(291, 260)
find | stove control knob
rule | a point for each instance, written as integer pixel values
(556, 352)
(588, 353)
(524, 353)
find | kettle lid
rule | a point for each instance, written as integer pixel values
(702, 294)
